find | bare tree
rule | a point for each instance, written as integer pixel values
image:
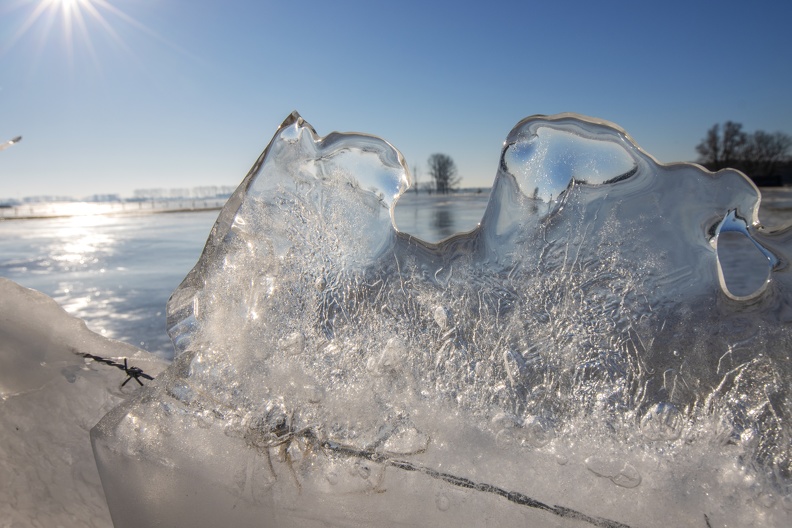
(757, 154)
(718, 151)
(443, 171)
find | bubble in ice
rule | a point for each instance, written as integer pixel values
(598, 351)
(442, 502)
(662, 422)
(621, 473)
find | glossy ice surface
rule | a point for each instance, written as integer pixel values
(581, 358)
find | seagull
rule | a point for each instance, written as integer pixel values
(10, 142)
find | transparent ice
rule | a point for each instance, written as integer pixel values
(609, 347)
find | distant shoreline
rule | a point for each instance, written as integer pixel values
(773, 199)
(117, 213)
(50, 211)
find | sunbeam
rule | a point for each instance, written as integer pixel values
(76, 24)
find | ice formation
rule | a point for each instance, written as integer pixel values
(589, 355)
(50, 397)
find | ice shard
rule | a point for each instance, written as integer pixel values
(598, 351)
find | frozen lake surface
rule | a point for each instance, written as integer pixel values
(116, 271)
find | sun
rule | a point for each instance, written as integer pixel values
(71, 21)
(76, 32)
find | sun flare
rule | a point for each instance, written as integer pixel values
(75, 23)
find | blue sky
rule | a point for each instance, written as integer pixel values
(182, 93)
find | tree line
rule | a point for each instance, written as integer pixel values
(759, 154)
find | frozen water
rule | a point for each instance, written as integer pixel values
(50, 397)
(591, 354)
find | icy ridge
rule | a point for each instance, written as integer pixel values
(586, 325)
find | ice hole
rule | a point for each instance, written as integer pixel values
(548, 161)
(743, 266)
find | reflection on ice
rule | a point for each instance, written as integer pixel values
(113, 272)
(586, 355)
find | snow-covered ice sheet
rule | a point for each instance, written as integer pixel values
(50, 397)
(589, 355)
